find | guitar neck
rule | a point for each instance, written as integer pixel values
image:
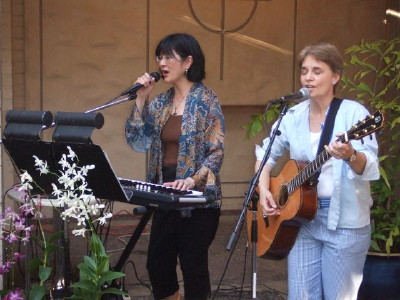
(308, 171)
(363, 128)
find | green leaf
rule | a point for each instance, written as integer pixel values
(39, 242)
(103, 264)
(375, 246)
(109, 276)
(359, 96)
(364, 73)
(395, 122)
(90, 262)
(34, 264)
(364, 87)
(379, 236)
(355, 60)
(44, 273)
(96, 245)
(86, 285)
(37, 292)
(272, 115)
(87, 271)
(55, 236)
(384, 175)
(383, 157)
(256, 127)
(50, 248)
(389, 243)
(114, 291)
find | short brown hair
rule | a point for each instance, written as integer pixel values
(326, 53)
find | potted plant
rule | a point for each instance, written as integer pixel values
(373, 77)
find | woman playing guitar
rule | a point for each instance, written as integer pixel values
(328, 255)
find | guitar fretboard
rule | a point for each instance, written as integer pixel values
(308, 171)
(365, 127)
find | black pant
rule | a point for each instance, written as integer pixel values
(188, 238)
(174, 236)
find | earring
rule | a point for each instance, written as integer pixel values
(186, 71)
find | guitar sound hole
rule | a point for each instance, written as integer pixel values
(283, 195)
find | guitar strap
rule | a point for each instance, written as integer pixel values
(326, 134)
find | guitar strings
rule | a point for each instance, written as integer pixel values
(314, 166)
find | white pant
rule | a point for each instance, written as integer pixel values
(327, 264)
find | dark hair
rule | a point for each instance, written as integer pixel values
(185, 45)
(326, 53)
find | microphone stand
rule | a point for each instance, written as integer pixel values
(250, 196)
(112, 103)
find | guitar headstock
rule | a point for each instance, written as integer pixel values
(365, 127)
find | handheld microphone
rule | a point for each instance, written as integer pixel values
(133, 88)
(302, 94)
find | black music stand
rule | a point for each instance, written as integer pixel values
(71, 130)
(22, 141)
(26, 126)
(102, 179)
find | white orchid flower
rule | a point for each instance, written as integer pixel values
(80, 231)
(71, 154)
(25, 187)
(103, 220)
(41, 165)
(25, 177)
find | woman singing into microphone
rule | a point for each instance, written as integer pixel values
(184, 130)
(327, 259)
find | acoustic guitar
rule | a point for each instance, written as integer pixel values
(296, 197)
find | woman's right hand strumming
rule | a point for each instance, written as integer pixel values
(268, 204)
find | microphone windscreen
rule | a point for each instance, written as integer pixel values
(306, 93)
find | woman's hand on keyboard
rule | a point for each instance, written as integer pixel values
(181, 184)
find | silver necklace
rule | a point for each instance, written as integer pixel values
(175, 108)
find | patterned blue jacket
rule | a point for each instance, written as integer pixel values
(201, 144)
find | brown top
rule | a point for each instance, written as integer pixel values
(170, 139)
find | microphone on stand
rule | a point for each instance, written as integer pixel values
(130, 92)
(133, 88)
(302, 94)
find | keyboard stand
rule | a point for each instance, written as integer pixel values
(133, 240)
(127, 252)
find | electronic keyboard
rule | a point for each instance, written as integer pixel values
(159, 196)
